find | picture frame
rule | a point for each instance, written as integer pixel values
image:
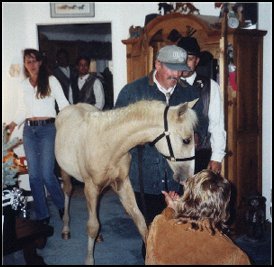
(71, 9)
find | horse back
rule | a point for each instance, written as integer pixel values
(73, 113)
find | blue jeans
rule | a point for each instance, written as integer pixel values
(39, 149)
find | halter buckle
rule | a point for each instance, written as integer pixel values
(167, 133)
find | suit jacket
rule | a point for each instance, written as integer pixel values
(171, 243)
(64, 80)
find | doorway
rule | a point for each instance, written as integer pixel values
(91, 40)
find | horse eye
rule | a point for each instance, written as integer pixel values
(187, 141)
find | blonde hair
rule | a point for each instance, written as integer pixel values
(206, 198)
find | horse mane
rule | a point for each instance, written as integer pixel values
(144, 109)
(138, 111)
(149, 110)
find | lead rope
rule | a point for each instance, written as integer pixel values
(141, 180)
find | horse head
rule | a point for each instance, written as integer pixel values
(176, 143)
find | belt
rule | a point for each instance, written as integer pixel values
(40, 122)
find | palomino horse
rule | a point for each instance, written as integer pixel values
(93, 146)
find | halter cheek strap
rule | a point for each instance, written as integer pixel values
(166, 134)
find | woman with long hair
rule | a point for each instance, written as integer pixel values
(37, 111)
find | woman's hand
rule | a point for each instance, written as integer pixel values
(170, 197)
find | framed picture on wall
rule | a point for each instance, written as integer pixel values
(71, 9)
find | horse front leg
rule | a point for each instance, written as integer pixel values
(128, 200)
(91, 193)
(67, 188)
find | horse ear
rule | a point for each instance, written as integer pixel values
(192, 103)
(183, 107)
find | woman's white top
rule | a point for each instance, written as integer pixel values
(31, 106)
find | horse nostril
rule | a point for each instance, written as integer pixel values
(176, 177)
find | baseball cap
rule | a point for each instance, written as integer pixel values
(191, 45)
(173, 57)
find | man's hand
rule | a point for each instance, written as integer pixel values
(215, 166)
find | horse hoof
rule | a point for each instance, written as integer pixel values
(99, 238)
(65, 236)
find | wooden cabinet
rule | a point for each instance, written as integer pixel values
(243, 107)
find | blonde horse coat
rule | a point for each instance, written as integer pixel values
(93, 146)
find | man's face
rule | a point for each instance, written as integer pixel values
(62, 60)
(165, 76)
(192, 62)
(83, 67)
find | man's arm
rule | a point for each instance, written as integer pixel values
(216, 127)
(99, 94)
(123, 98)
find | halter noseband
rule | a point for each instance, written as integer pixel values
(166, 134)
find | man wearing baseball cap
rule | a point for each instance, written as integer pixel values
(211, 142)
(161, 84)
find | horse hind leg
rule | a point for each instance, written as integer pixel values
(67, 188)
(128, 201)
(91, 194)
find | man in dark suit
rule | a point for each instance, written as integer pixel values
(65, 74)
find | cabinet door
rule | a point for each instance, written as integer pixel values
(243, 118)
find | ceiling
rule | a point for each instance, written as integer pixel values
(74, 32)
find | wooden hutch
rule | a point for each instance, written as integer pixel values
(243, 107)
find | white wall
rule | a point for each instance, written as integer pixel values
(19, 31)
(120, 15)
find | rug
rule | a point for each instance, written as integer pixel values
(122, 243)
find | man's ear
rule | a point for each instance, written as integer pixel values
(197, 61)
(157, 64)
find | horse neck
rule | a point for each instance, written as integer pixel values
(139, 125)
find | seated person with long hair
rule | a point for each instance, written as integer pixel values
(191, 229)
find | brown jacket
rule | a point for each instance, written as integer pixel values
(171, 243)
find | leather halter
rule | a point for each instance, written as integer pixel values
(166, 134)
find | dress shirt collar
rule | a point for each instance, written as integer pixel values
(84, 77)
(65, 70)
(190, 79)
(162, 89)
